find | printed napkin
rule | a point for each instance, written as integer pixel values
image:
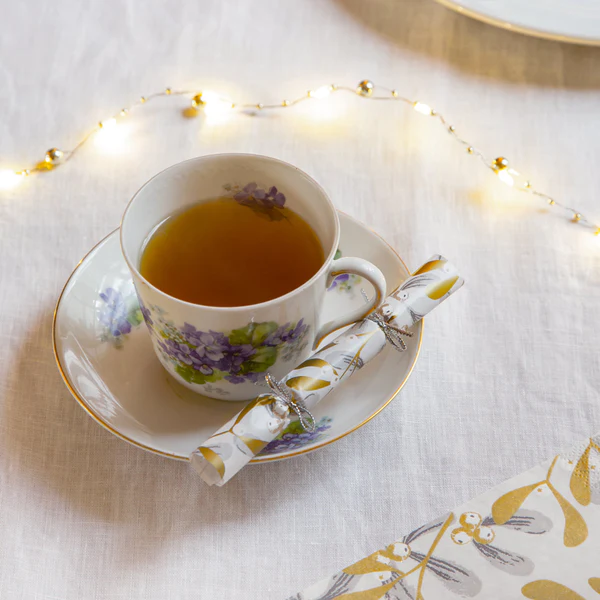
(534, 536)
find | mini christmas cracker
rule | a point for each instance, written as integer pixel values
(226, 452)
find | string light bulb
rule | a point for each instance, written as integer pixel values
(109, 137)
(505, 177)
(214, 105)
(321, 92)
(423, 108)
(9, 179)
(506, 174)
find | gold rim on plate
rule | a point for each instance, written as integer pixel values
(118, 434)
(522, 29)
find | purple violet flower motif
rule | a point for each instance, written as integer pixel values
(251, 193)
(339, 279)
(295, 332)
(277, 337)
(186, 355)
(180, 352)
(146, 314)
(255, 377)
(286, 334)
(276, 197)
(235, 357)
(211, 345)
(246, 193)
(201, 364)
(247, 378)
(235, 379)
(114, 314)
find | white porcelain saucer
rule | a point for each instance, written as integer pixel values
(105, 356)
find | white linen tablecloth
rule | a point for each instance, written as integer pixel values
(509, 370)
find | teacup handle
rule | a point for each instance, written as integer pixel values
(363, 268)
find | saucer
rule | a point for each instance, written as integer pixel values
(105, 357)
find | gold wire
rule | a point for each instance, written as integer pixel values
(390, 96)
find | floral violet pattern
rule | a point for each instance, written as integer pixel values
(252, 194)
(239, 356)
(119, 314)
(265, 201)
(346, 281)
(294, 437)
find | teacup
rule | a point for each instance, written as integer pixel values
(222, 352)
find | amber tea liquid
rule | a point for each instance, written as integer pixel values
(223, 253)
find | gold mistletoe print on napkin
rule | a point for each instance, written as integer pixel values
(236, 443)
(535, 536)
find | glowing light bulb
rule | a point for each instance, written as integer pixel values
(109, 137)
(422, 108)
(215, 107)
(506, 177)
(9, 179)
(321, 92)
(505, 173)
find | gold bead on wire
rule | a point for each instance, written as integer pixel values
(470, 149)
(54, 156)
(500, 164)
(365, 88)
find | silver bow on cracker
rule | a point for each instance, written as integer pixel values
(286, 396)
(220, 457)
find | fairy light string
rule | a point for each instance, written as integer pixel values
(214, 104)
